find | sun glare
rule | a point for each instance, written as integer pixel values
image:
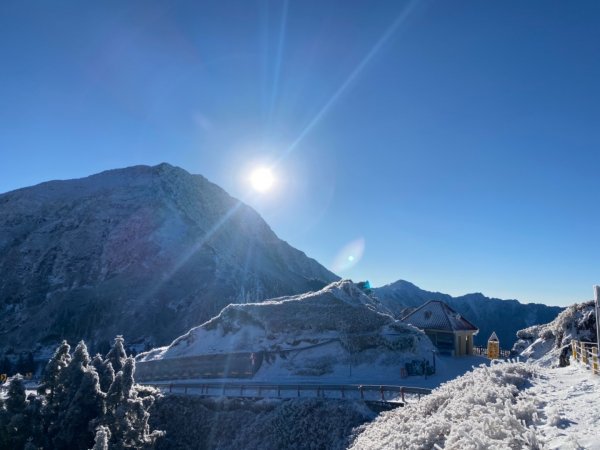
(262, 179)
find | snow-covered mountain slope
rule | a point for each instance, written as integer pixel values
(545, 342)
(505, 406)
(505, 317)
(311, 334)
(147, 252)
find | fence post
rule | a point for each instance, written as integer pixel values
(595, 368)
(584, 355)
(574, 349)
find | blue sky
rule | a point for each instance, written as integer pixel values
(457, 142)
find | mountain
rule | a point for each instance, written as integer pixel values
(147, 252)
(505, 317)
(313, 334)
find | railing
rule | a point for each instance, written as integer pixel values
(587, 354)
(379, 393)
(482, 351)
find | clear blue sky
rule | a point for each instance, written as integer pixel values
(459, 141)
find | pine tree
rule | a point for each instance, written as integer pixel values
(117, 355)
(34, 419)
(77, 401)
(127, 412)
(58, 362)
(105, 372)
(86, 405)
(101, 439)
(72, 404)
(16, 403)
(4, 419)
(30, 445)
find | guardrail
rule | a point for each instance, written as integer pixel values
(379, 393)
(587, 354)
(220, 365)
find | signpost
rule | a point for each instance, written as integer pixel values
(597, 296)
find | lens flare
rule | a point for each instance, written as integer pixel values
(349, 255)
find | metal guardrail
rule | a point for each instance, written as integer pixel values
(380, 393)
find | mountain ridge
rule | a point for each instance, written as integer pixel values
(145, 251)
(505, 317)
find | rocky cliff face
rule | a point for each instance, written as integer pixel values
(505, 317)
(147, 252)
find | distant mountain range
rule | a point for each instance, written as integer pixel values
(505, 317)
(148, 252)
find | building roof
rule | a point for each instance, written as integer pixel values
(436, 315)
(493, 337)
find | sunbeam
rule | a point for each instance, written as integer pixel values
(353, 75)
(278, 61)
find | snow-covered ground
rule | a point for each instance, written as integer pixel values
(511, 405)
(447, 368)
(570, 407)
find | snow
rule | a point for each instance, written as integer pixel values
(338, 331)
(447, 368)
(543, 343)
(570, 407)
(507, 405)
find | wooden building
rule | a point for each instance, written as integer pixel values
(450, 332)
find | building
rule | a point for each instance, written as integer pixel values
(448, 330)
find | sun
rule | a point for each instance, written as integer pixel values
(262, 179)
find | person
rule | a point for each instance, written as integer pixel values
(563, 359)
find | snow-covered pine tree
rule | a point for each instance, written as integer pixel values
(127, 412)
(35, 420)
(105, 372)
(29, 445)
(14, 421)
(59, 361)
(117, 355)
(4, 418)
(101, 439)
(78, 400)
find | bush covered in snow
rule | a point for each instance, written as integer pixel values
(226, 424)
(544, 342)
(483, 409)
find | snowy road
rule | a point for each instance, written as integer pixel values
(571, 407)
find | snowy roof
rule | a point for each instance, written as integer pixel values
(493, 337)
(436, 315)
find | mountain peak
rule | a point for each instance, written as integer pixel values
(115, 252)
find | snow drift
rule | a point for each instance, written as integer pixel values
(483, 409)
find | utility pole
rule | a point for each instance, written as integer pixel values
(597, 297)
